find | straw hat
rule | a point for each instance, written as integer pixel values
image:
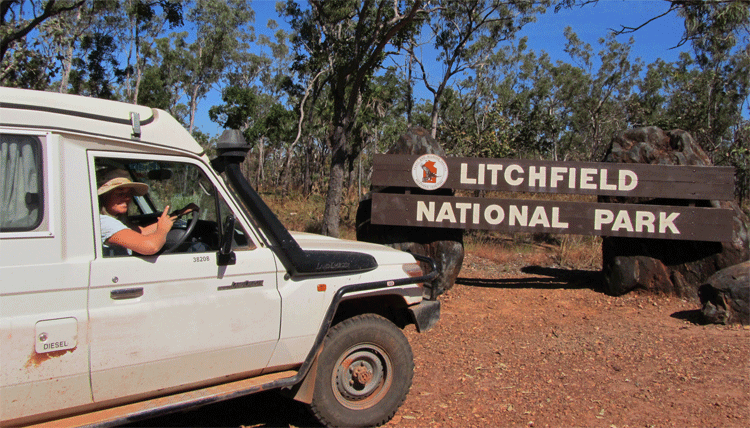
(116, 178)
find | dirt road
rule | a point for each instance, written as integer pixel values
(523, 346)
(550, 350)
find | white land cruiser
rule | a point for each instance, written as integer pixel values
(232, 305)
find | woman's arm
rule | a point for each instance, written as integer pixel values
(145, 243)
(151, 228)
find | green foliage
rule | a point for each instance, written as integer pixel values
(347, 40)
(737, 154)
(20, 17)
(155, 88)
(317, 102)
(277, 125)
(466, 33)
(96, 73)
(26, 69)
(239, 107)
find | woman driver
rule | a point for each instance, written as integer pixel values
(115, 191)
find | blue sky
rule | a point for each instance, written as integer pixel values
(593, 22)
(590, 23)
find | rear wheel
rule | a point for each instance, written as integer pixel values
(364, 373)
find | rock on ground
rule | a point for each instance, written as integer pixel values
(445, 246)
(725, 296)
(663, 266)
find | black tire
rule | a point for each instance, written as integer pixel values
(364, 373)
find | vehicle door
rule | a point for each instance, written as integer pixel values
(43, 279)
(177, 320)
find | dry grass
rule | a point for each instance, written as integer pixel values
(579, 252)
(305, 214)
(527, 196)
(568, 251)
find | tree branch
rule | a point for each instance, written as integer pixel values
(49, 11)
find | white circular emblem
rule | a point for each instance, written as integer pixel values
(429, 172)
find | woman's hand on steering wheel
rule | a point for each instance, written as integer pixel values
(185, 210)
(190, 208)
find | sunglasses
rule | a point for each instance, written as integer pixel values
(123, 193)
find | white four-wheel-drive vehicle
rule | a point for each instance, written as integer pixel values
(232, 304)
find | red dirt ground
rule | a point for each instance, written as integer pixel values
(519, 346)
(515, 349)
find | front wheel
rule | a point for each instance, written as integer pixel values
(364, 373)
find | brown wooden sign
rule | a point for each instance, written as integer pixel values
(586, 178)
(629, 220)
(431, 172)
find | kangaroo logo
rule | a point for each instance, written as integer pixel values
(429, 172)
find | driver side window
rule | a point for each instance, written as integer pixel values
(145, 188)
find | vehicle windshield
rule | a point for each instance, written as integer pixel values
(173, 184)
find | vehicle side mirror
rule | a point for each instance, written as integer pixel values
(226, 256)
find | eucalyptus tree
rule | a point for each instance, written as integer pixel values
(597, 98)
(258, 89)
(220, 29)
(738, 155)
(32, 36)
(647, 106)
(109, 44)
(162, 83)
(465, 34)
(383, 115)
(713, 81)
(484, 114)
(704, 93)
(275, 128)
(306, 96)
(77, 45)
(63, 34)
(18, 18)
(711, 88)
(472, 120)
(716, 79)
(508, 108)
(84, 45)
(350, 37)
(715, 23)
(528, 98)
(277, 78)
(96, 70)
(263, 120)
(145, 21)
(380, 123)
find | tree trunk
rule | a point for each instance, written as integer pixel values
(434, 119)
(67, 63)
(286, 169)
(259, 176)
(332, 212)
(331, 215)
(435, 114)
(193, 106)
(309, 151)
(409, 89)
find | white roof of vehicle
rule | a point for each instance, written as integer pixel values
(27, 109)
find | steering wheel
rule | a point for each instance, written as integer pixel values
(176, 237)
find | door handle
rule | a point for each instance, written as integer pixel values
(126, 293)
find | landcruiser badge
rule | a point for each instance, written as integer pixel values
(429, 172)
